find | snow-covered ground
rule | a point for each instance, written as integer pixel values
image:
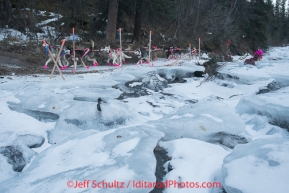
(229, 134)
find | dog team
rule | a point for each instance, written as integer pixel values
(115, 57)
(67, 54)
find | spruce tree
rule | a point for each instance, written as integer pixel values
(255, 27)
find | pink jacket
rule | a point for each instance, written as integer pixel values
(259, 53)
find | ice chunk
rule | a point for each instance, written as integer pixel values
(154, 82)
(206, 119)
(31, 141)
(258, 123)
(274, 105)
(92, 94)
(123, 155)
(178, 75)
(6, 170)
(226, 139)
(55, 102)
(193, 161)
(259, 127)
(212, 117)
(84, 116)
(205, 56)
(260, 166)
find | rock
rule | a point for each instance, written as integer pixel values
(227, 139)
(17, 155)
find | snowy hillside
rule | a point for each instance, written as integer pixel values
(227, 135)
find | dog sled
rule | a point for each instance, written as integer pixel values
(257, 56)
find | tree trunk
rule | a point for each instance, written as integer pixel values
(6, 12)
(111, 21)
(2, 13)
(137, 23)
(197, 19)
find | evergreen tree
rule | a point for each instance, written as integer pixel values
(255, 26)
(284, 24)
(276, 28)
(271, 22)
